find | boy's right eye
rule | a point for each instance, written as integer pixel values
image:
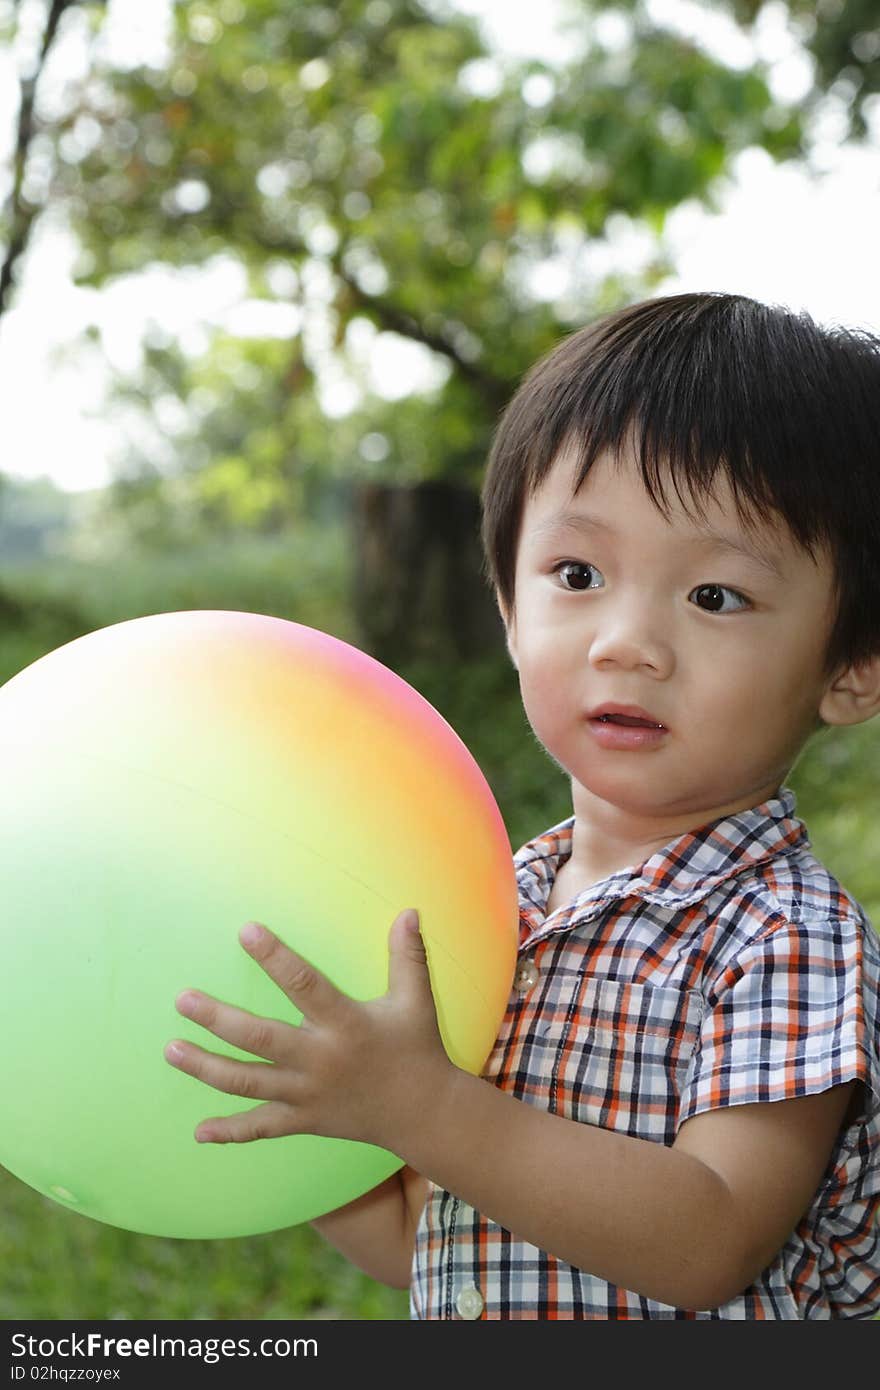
(573, 584)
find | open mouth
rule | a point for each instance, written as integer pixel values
(628, 721)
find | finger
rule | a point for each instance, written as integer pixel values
(310, 991)
(264, 1037)
(255, 1080)
(408, 974)
(262, 1122)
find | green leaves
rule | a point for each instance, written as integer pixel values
(373, 165)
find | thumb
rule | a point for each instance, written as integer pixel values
(408, 974)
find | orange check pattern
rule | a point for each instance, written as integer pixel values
(729, 968)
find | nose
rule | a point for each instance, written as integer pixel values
(629, 636)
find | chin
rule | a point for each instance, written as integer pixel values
(628, 793)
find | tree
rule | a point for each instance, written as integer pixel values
(843, 39)
(375, 168)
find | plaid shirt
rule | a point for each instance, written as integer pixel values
(729, 968)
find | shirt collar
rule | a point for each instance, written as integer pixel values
(682, 872)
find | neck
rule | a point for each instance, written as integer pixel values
(607, 838)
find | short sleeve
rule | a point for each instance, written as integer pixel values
(794, 1014)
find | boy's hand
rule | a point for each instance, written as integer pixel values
(350, 1070)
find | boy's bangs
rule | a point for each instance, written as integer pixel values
(690, 410)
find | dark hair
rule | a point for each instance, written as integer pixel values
(789, 410)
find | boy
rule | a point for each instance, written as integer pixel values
(681, 1114)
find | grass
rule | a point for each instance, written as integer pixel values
(57, 1265)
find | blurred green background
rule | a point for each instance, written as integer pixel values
(379, 175)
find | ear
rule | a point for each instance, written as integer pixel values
(854, 695)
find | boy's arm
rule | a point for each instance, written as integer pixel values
(691, 1225)
(377, 1231)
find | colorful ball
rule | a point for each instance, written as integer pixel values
(166, 780)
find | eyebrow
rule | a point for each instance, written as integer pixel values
(707, 539)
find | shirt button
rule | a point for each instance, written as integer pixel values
(526, 976)
(469, 1303)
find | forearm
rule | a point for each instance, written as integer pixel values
(376, 1232)
(638, 1214)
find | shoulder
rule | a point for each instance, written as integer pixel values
(790, 986)
(793, 894)
(788, 932)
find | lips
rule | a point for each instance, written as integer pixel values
(632, 715)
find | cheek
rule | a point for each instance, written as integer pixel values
(732, 697)
(549, 699)
(749, 704)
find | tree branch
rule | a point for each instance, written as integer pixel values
(19, 213)
(396, 320)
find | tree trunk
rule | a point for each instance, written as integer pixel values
(419, 591)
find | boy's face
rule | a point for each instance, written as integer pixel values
(723, 652)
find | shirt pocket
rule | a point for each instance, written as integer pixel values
(623, 1054)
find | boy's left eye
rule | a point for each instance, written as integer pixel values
(575, 565)
(715, 589)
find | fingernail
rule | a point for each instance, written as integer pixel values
(411, 919)
(251, 933)
(174, 1052)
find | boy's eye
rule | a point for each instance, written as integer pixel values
(577, 576)
(576, 586)
(716, 594)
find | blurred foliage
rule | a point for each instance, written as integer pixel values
(843, 39)
(376, 170)
(379, 175)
